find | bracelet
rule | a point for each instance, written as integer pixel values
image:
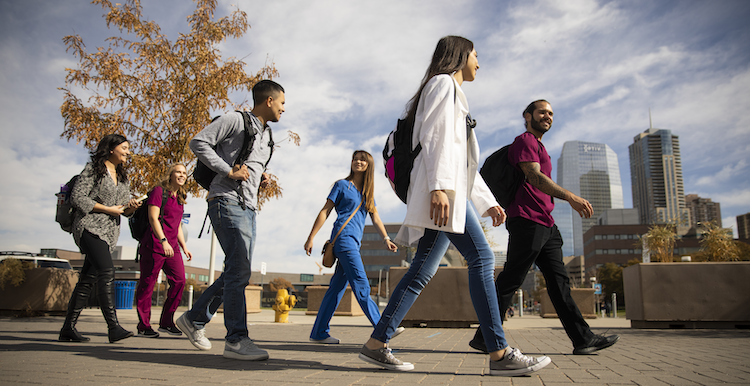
(386, 240)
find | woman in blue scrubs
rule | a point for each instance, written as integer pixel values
(354, 191)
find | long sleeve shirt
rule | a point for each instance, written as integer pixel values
(218, 145)
(89, 190)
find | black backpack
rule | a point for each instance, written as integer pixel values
(138, 222)
(501, 177)
(65, 210)
(398, 157)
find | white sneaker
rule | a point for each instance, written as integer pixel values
(329, 340)
(197, 336)
(244, 350)
(515, 363)
(398, 332)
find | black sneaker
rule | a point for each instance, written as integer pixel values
(598, 342)
(478, 345)
(171, 330)
(148, 333)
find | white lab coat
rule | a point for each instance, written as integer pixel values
(446, 162)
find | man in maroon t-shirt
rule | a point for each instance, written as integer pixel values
(534, 237)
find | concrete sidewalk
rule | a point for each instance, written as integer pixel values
(31, 354)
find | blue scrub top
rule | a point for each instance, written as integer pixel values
(346, 198)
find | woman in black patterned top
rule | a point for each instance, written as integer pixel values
(101, 195)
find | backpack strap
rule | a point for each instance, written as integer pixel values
(245, 150)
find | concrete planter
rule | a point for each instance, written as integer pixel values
(444, 302)
(347, 307)
(44, 290)
(583, 297)
(688, 295)
(252, 299)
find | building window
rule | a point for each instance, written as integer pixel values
(202, 277)
(304, 277)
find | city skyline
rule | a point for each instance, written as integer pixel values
(349, 68)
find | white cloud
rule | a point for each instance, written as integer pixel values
(727, 172)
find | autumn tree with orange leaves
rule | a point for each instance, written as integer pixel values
(156, 92)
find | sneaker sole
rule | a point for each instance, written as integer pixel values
(234, 355)
(184, 328)
(591, 350)
(398, 332)
(406, 366)
(323, 341)
(169, 332)
(516, 372)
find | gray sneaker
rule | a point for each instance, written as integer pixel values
(398, 332)
(244, 350)
(515, 363)
(382, 357)
(197, 336)
(329, 340)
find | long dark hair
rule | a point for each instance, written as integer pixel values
(450, 55)
(368, 183)
(102, 153)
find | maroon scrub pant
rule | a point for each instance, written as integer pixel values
(174, 268)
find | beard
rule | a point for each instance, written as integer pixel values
(536, 125)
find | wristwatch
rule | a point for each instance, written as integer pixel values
(163, 239)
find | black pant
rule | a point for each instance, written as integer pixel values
(531, 243)
(98, 264)
(98, 257)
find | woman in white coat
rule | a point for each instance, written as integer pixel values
(444, 178)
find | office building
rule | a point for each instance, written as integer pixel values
(589, 170)
(376, 258)
(656, 178)
(703, 210)
(500, 258)
(743, 226)
(617, 239)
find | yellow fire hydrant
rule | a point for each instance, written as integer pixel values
(284, 303)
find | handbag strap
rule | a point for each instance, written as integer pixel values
(347, 222)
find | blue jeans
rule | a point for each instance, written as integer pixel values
(235, 230)
(349, 269)
(476, 250)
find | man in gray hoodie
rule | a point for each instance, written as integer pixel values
(232, 203)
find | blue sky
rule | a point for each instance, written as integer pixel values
(349, 67)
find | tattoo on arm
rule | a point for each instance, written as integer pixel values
(537, 179)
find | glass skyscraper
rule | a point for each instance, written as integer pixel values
(589, 170)
(656, 175)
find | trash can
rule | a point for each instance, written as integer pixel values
(124, 294)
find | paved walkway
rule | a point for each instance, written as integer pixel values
(31, 354)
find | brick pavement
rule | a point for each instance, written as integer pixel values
(31, 354)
